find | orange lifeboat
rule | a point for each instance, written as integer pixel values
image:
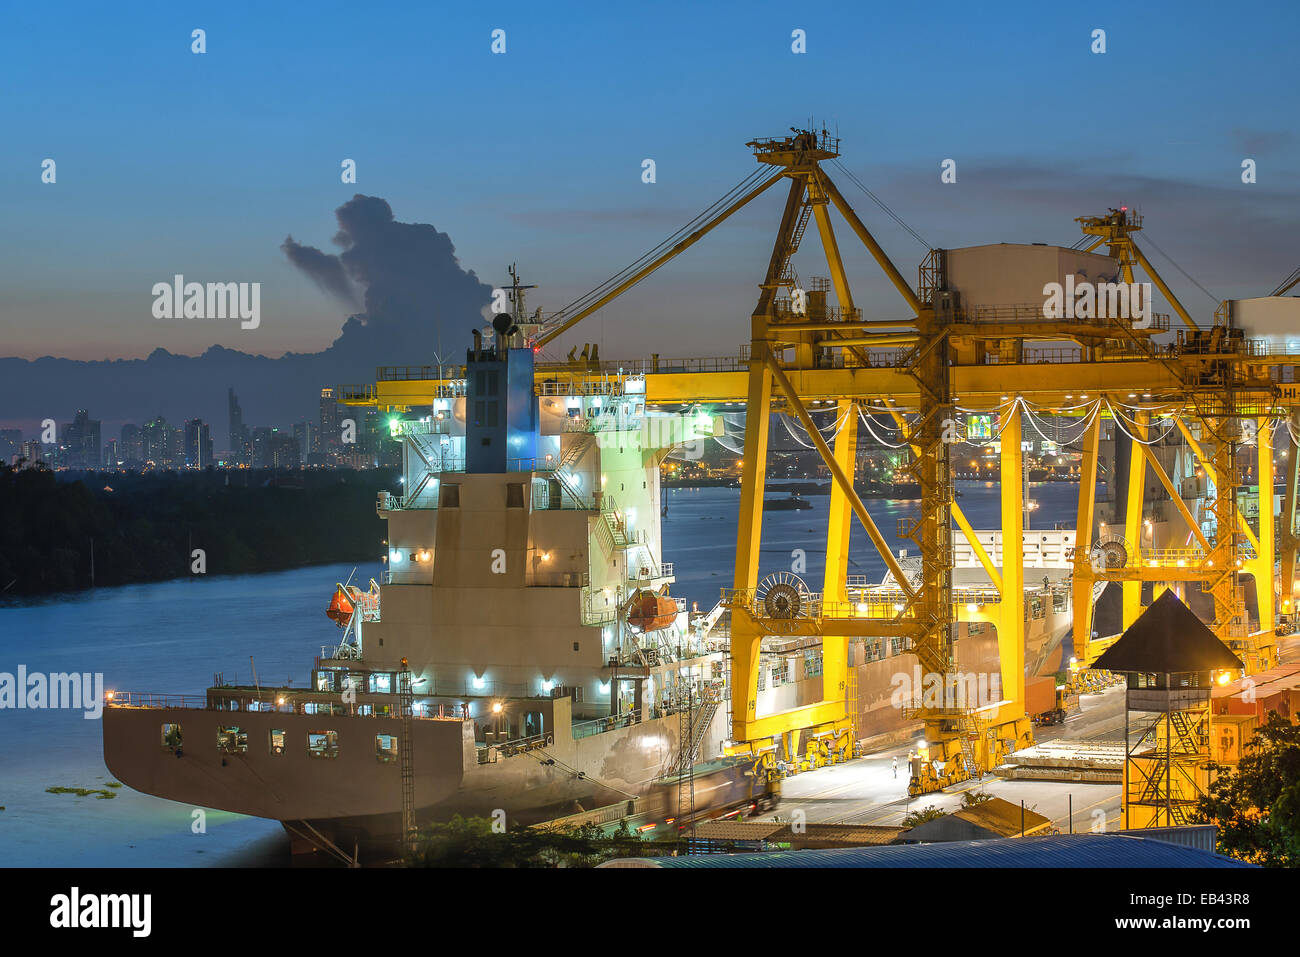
(650, 612)
(340, 609)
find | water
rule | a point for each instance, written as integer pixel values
(171, 637)
(168, 637)
(700, 532)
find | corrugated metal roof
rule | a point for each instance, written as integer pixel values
(1057, 850)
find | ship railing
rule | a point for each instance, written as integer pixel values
(585, 729)
(577, 384)
(138, 699)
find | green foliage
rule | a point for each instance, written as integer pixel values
(973, 798)
(923, 815)
(145, 527)
(1257, 805)
(471, 842)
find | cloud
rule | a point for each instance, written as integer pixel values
(323, 269)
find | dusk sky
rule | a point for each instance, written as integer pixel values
(171, 162)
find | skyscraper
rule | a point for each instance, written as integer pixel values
(330, 439)
(81, 442)
(131, 447)
(306, 434)
(239, 452)
(154, 442)
(198, 444)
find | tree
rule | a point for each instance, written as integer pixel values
(1256, 806)
(973, 798)
(920, 817)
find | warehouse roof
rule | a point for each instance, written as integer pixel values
(1057, 850)
(1167, 638)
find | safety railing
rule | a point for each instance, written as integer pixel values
(138, 699)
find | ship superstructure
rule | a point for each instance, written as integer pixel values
(523, 652)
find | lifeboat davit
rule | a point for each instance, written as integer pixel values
(650, 612)
(340, 609)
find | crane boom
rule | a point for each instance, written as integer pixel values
(650, 267)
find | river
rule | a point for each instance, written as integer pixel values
(173, 636)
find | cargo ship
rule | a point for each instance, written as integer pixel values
(523, 655)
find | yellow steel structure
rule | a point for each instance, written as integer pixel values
(803, 351)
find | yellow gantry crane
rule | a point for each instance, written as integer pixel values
(803, 351)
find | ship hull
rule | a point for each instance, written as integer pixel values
(354, 796)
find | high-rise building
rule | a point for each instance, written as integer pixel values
(263, 455)
(131, 447)
(238, 431)
(330, 438)
(285, 451)
(81, 442)
(198, 444)
(306, 434)
(155, 439)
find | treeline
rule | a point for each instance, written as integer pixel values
(144, 527)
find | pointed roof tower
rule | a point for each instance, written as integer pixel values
(1168, 638)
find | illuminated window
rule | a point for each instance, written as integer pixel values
(322, 744)
(277, 741)
(232, 740)
(171, 737)
(386, 748)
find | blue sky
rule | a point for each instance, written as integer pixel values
(174, 162)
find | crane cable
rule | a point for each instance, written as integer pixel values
(725, 200)
(878, 201)
(1185, 273)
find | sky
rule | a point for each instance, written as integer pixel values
(171, 162)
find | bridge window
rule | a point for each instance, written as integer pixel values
(232, 740)
(386, 748)
(381, 684)
(322, 744)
